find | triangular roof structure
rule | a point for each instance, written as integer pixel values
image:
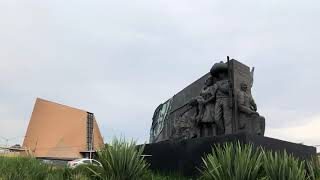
(60, 131)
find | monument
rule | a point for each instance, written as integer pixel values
(219, 103)
(217, 108)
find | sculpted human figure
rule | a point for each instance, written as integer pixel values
(223, 107)
(249, 117)
(246, 103)
(185, 127)
(198, 118)
(205, 96)
(206, 102)
(223, 104)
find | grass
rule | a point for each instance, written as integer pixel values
(22, 168)
(27, 168)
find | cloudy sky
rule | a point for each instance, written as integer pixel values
(120, 59)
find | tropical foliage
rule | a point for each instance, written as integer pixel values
(313, 169)
(121, 160)
(282, 166)
(239, 162)
(232, 161)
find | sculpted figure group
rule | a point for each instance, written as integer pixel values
(211, 113)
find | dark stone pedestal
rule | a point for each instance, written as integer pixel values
(185, 156)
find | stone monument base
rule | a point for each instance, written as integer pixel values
(184, 157)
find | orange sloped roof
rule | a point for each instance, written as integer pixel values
(60, 131)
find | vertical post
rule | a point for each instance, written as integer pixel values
(92, 143)
(90, 133)
(232, 95)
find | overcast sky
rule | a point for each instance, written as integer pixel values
(120, 59)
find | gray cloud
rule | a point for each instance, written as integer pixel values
(120, 59)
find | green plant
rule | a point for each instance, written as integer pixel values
(163, 176)
(121, 160)
(81, 172)
(313, 168)
(232, 161)
(60, 173)
(22, 168)
(283, 166)
(27, 168)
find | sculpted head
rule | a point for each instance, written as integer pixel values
(209, 81)
(220, 71)
(244, 86)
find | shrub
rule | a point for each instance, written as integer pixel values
(313, 168)
(283, 166)
(121, 160)
(232, 161)
(238, 162)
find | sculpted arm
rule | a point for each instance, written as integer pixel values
(213, 91)
(242, 105)
(253, 104)
(246, 110)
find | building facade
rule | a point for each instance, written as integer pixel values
(61, 132)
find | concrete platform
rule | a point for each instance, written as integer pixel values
(185, 156)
